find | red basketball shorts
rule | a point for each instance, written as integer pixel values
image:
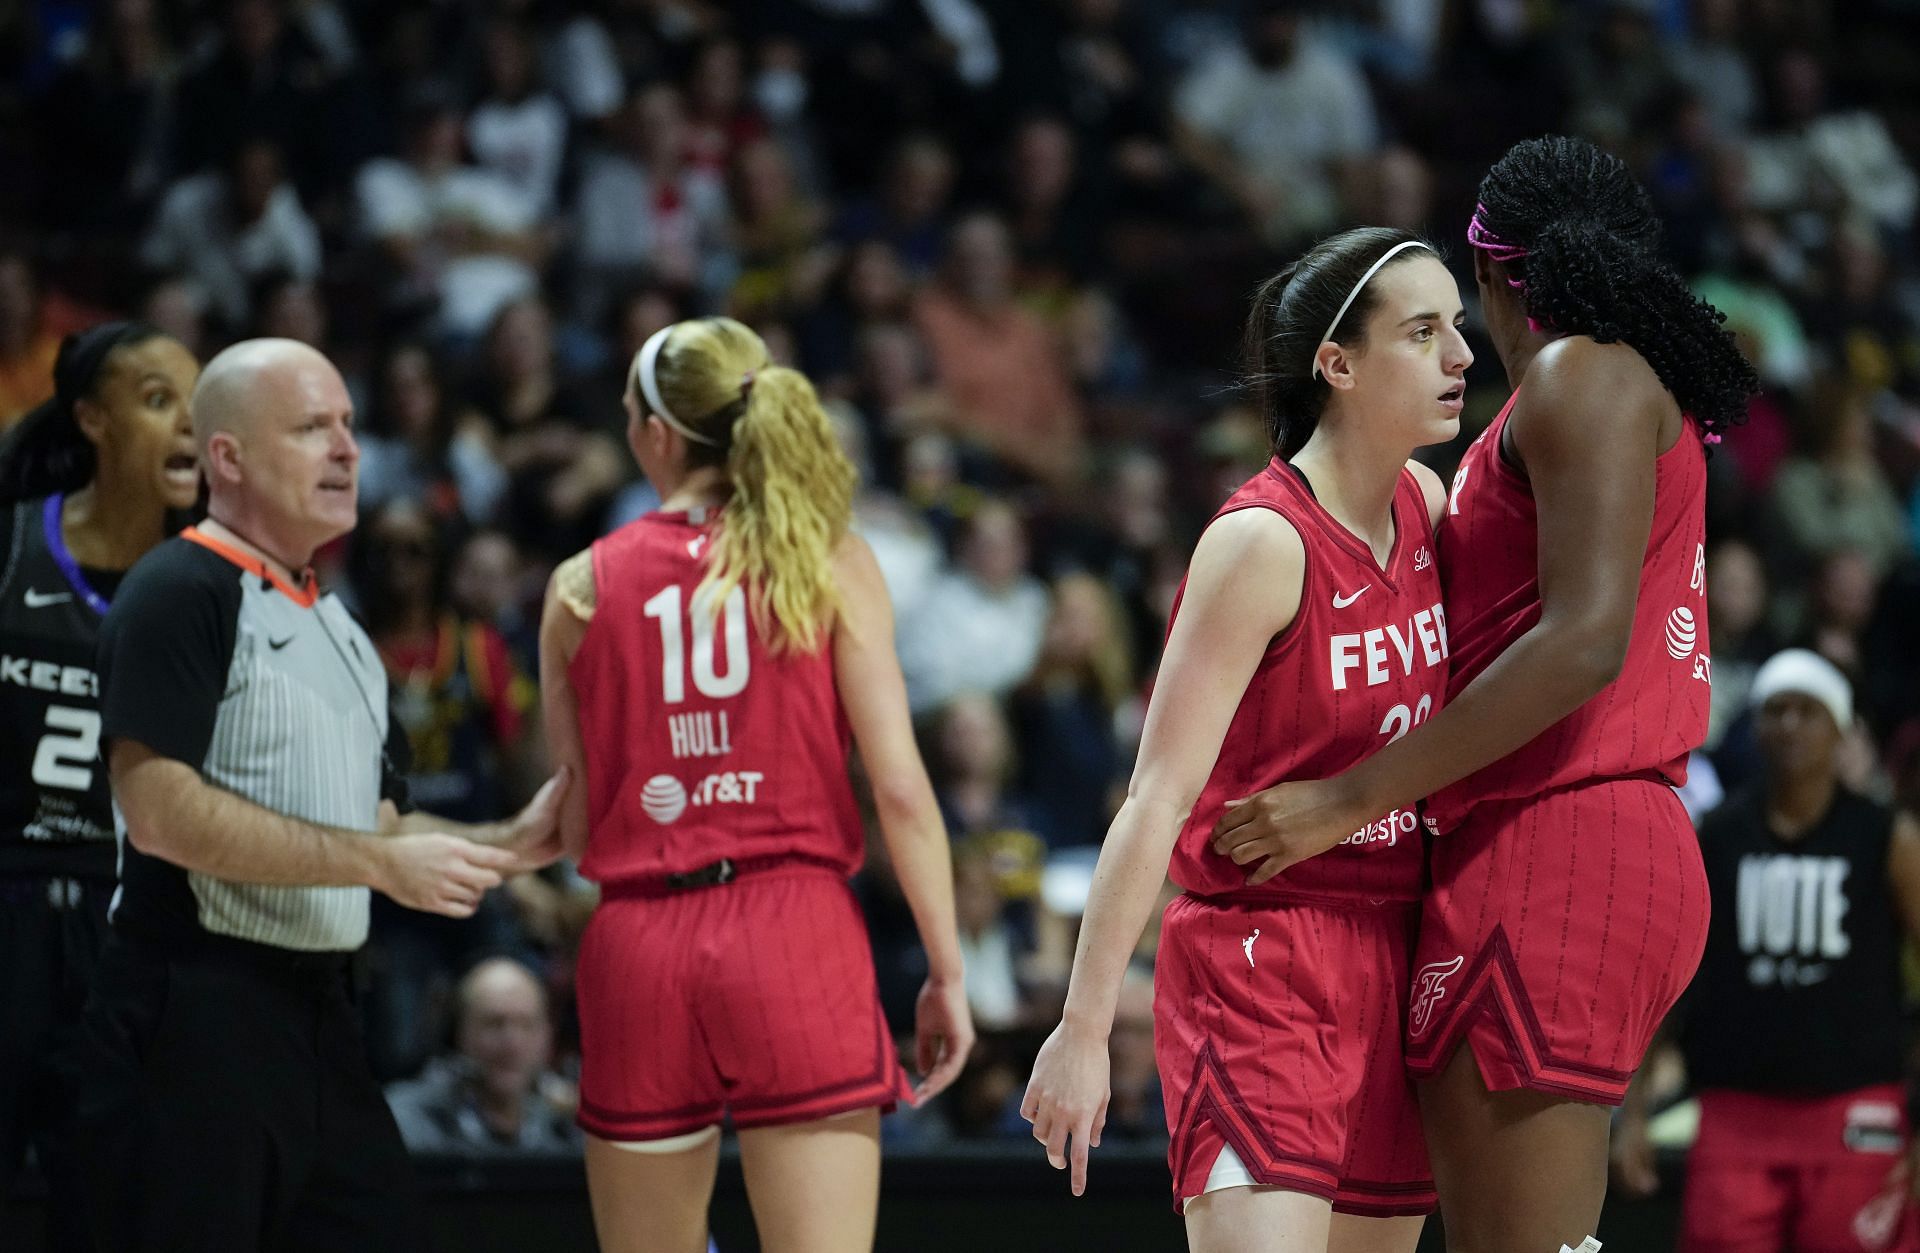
(1277, 1031)
(1812, 1174)
(753, 999)
(1558, 932)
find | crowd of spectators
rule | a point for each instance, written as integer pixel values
(1012, 241)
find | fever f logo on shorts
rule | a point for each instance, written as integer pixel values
(1429, 985)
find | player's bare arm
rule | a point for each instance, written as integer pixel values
(1589, 425)
(172, 812)
(1243, 588)
(564, 616)
(874, 695)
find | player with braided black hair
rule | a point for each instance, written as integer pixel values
(1598, 272)
(1568, 904)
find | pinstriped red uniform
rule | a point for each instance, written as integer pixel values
(1569, 905)
(755, 998)
(673, 701)
(1278, 1008)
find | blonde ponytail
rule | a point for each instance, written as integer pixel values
(792, 503)
(792, 484)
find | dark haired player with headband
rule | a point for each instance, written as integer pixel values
(1308, 635)
(258, 782)
(89, 481)
(1568, 904)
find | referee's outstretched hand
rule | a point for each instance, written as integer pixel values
(441, 874)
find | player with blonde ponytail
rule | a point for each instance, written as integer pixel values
(708, 668)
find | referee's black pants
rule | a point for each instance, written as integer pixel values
(228, 1108)
(52, 929)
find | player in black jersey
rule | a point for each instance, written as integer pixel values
(1793, 1030)
(89, 481)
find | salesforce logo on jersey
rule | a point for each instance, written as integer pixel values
(664, 798)
(1387, 830)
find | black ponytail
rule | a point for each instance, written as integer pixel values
(46, 451)
(1289, 318)
(1592, 266)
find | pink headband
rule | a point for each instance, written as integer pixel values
(1480, 237)
(1486, 241)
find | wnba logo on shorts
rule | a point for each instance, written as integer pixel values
(1429, 985)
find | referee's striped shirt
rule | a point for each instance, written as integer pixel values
(269, 690)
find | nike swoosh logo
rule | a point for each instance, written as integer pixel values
(280, 643)
(1341, 602)
(40, 600)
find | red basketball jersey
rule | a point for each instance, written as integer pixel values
(1644, 723)
(1363, 661)
(701, 742)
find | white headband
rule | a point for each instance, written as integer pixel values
(643, 365)
(1347, 304)
(1808, 673)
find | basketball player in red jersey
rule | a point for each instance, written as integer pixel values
(1308, 633)
(1568, 905)
(705, 666)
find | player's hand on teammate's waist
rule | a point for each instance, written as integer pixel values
(1286, 824)
(942, 1036)
(1066, 1098)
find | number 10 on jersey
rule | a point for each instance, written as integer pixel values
(710, 679)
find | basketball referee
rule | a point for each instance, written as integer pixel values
(258, 786)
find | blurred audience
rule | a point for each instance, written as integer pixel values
(1012, 246)
(496, 1092)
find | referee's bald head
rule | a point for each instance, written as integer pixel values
(275, 427)
(252, 379)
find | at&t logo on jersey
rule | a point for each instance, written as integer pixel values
(664, 798)
(1374, 652)
(1683, 637)
(1387, 830)
(729, 787)
(1681, 634)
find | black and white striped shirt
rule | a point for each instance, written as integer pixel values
(270, 691)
